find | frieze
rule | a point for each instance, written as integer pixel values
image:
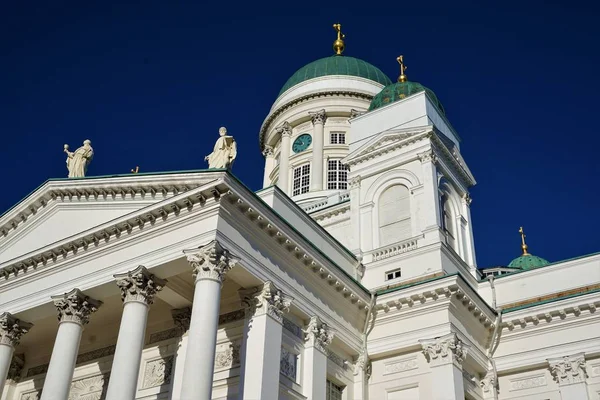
(400, 366)
(164, 335)
(33, 395)
(233, 316)
(528, 383)
(82, 358)
(228, 355)
(158, 372)
(288, 364)
(595, 370)
(293, 328)
(337, 359)
(90, 388)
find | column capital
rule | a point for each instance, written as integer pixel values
(139, 285)
(268, 152)
(75, 306)
(354, 182)
(363, 363)
(210, 262)
(568, 369)
(318, 334)
(182, 318)
(16, 366)
(488, 383)
(318, 117)
(285, 129)
(428, 156)
(355, 113)
(265, 299)
(11, 329)
(445, 349)
(466, 199)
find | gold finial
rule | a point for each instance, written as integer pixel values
(403, 68)
(136, 170)
(523, 245)
(338, 45)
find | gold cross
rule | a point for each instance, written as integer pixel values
(338, 45)
(136, 170)
(403, 68)
(523, 245)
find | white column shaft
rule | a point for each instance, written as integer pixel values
(431, 217)
(316, 181)
(576, 391)
(178, 368)
(62, 362)
(470, 244)
(447, 382)
(284, 164)
(6, 353)
(360, 387)
(314, 384)
(262, 358)
(128, 354)
(269, 166)
(202, 341)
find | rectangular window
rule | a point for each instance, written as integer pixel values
(337, 175)
(337, 138)
(334, 392)
(397, 273)
(301, 179)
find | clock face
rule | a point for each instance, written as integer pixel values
(301, 143)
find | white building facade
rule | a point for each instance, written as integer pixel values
(351, 275)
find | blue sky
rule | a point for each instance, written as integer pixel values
(151, 82)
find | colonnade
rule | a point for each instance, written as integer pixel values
(261, 345)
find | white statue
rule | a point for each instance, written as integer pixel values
(78, 161)
(224, 152)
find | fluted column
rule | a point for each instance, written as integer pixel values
(283, 182)
(269, 165)
(210, 264)
(318, 336)
(138, 288)
(181, 319)
(445, 356)
(74, 309)
(570, 373)
(261, 346)
(11, 330)
(316, 178)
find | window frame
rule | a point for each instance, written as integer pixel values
(337, 178)
(395, 274)
(330, 387)
(337, 135)
(302, 179)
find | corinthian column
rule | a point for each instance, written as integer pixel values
(11, 330)
(316, 179)
(283, 182)
(261, 348)
(318, 337)
(445, 355)
(569, 372)
(74, 309)
(269, 165)
(138, 288)
(210, 264)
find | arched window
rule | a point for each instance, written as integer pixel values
(448, 221)
(394, 215)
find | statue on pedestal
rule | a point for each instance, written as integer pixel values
(78, 161)
(224, 152)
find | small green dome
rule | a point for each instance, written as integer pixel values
(528, 261)
(401, 90)
(336, 65)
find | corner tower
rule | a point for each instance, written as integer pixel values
(306, 133)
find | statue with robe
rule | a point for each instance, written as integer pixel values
(224, 152)
(78, 160)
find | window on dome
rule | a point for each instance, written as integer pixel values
(334, 392)
(301, 180)
(337, 175)
(337, 138)
(394, 215)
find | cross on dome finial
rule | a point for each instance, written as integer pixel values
(523, 245)
(403, 68)
(338, 45)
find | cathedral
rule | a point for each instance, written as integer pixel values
(351, 275)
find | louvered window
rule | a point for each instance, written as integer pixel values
(394, 215)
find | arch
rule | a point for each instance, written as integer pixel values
(393, 219)
(395, 176)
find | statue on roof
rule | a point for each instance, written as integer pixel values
(224, 152)
(78, 160)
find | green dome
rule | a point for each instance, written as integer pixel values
(400, 90)
(528, 261)
(336, 65)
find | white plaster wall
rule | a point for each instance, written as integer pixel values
(401, 377)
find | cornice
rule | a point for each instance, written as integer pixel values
(330, 93)
(332, 211)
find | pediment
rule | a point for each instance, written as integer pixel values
(62, 208)
(386, 141)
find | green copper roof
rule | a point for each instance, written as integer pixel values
(528, 261)
(336, 65)
(401, 90)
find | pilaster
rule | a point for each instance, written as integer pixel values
(362, 373)
(430, 198)
(445, 356)
(318, 336)
(269, 155)
(181, 318)
(570, 374)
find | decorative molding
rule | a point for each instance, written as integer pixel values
(90, 388)
(293, 328)
(396, 248)
(285, 129)
(232, 316)
(182, 318)
(318, 334)
(595, 370)
(211, 261)
(400, 366)
(386, 143)
(158, 372)
(15, 368)
(354, 182)
(428, 156)
(12, 329)
(466, 199)
(488, 383)
(288, 364)
(445, 349)
(75, 306)
(31, 395)
(139, 285)
(164, 335)
(363, 363)
(95, 354)
(560, 312)
(337, 359)
(568, 369)
(227, 355)
(266, 300)
(268, 152)
(318, 117)
(356, 113)
(528, 382)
